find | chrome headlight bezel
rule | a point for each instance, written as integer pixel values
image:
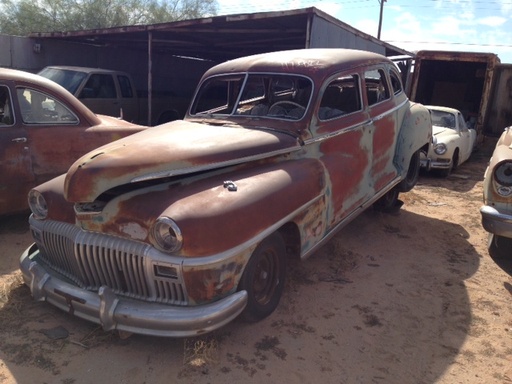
(502, 173)
(166, 235)
(440, 149)
(37, 204)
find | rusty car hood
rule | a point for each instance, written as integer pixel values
(176, 148)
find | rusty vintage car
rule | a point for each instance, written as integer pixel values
(497, 209)
(43, 130)
(177, 230)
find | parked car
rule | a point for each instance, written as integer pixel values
(497, 209)
(43, 130)
(178, 230)
(113, 93)
(453, 142)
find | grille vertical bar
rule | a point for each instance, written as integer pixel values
(92, 260)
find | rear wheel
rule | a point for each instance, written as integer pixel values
(413, 173)
(264, 278)
(389, 202)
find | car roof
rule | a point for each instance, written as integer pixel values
(321, 61)
(442, 109)
(28, 78)
(87, 70)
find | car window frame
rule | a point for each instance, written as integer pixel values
(66, 107)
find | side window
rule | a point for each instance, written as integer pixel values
(377, 88)
(396, 84)
(39, 108)
(341, 97)
(6, 115)
(462, 123)
(217, 95)
(99, 87)
(125, 85)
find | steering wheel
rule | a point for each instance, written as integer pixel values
(280, 104)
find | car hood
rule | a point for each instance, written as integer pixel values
(176, 148)
(441, 131)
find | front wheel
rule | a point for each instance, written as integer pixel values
(500, 247)
(264, 278)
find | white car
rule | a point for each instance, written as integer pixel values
(452, 142)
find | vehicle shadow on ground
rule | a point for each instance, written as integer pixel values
(384, 298)
(462, 179)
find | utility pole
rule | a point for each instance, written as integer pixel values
(380, 18)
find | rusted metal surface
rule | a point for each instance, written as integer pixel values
(460, 80)
(222, 38)
(229, 179)
(500, 115)
(33, 151)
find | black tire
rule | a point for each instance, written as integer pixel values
(413, 173)
(264, 278)
(499, 247)
(389, 202)
(454, 164)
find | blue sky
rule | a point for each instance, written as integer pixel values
(448, 25)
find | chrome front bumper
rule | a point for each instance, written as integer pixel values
(496, 222)
(432, 164)
(114, 312)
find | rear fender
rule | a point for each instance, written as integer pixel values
(415, 133)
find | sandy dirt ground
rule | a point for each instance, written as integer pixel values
(411, 297)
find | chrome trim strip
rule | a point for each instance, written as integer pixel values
(353, 127)
(327, 136)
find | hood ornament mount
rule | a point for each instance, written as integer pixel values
(230, 185)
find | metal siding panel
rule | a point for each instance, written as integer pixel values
(327, 35)
(500, 115)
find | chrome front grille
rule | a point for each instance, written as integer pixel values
(91, 260)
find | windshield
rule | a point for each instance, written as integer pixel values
(69, 79)
(263, 95)
(442, 119)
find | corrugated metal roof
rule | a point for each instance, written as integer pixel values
(217, 38)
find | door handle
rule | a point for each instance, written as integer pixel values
(19, 140)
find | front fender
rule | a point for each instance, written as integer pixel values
(217, 218)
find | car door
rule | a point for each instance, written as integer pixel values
(128, 101)
(466, 139)
(55, 136)
(383, 115)
(99, 94)
(344, 134)
(16, 176)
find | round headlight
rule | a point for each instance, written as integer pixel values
(440, 149)
(166, 235)
(503, 173)
(37, 204)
